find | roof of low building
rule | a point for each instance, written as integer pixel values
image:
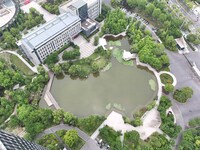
(180, 42)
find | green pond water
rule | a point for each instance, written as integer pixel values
(123, 88)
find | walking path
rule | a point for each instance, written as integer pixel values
(48, 97)
(159, 94)
(151, 124)
(34, 69)
(169, 73)
(90, 143)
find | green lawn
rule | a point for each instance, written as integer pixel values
(20, 65)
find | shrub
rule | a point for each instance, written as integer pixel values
(71, 137)
(165, 78)
(90, 124)
(183, 94)
(68, 55)
(137, 122)
(51, 59)
(194, 122)
(96, 40)
(168, 88)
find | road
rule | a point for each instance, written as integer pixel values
(181, 68)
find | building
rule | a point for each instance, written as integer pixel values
(8, 12)
(12, 142)
(181, 44)
(76, 16)
(87, 10)
(80, 7)
(50, 37)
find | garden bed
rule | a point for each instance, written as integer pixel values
(166, 78)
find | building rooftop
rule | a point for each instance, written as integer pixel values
(50, 29)
(180, 42)
(78, 4)
(91, 2)
(88, 23)
(7, 12)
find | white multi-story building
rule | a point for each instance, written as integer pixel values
(50, 37)
(76, 16)
(93, 7)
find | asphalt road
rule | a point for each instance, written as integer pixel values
(181, 68)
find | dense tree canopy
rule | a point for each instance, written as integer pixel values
(148, 50)
(115, 23)
(168, 24)
(190, 139)
(167, 125)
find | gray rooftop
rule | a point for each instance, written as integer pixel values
(50, 29)
(78, 4)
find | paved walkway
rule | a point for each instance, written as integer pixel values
(150, 125)
(46, 15)
(86, 48)
(90, 143)
(34, 69)
(48, 97)
(159, 94)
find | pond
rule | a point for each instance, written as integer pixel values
(123, 88)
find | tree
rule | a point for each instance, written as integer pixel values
(57, 69)
(149, 9)
(137, 122)
(115, 23)
(96, 40)
(168, 88)
(14, 121)
(156, 13)
(165, 60)
(182, 95)
(52, 59)
(141, 4)
(65, 66)
(71, 138)
(132, 136)
(69, 118)
(67, 55)
(132, 3)
(170, 43)
(58, 115)
(111, 137)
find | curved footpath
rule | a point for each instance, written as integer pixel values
(89, 145)
(169, 73)
(34, 69)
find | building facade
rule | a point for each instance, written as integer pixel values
(12, 142)
(50, 37)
